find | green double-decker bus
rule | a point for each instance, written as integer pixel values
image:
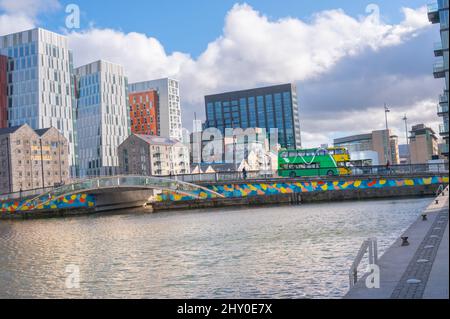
(330, 161)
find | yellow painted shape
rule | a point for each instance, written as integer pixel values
(357, 183)
(409, 182)
(382, 181)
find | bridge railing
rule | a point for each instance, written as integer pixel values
(111, 182)
(357, 171)
(313, 173)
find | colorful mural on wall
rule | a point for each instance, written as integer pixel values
(252, 189)
(71, 201)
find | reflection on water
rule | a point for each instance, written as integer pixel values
(269, 252)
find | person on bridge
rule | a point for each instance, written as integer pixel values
(388, 167)
(244, 173)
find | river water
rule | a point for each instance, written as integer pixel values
(302, 251)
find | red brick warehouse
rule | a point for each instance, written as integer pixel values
(144, 112)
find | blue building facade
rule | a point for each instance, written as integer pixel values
(274, 107)
(438, 13)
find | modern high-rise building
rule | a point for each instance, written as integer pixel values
(144, 112)
(268, 107)
(423, 144)
(102, 117)
(3, 90)
(438, 13)
(169, 109)
(376, 148)
(40, 82)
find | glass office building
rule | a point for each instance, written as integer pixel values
(438, 13)
(103, 120)
(267, 107)
(40, 82)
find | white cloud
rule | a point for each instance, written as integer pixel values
(21, 15)
(253, 50)
(28, 8)
(342, 124)
(10, 23)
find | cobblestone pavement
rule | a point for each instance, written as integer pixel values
(414, 280)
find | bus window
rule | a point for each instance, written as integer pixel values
(293, 154)
(284, 155)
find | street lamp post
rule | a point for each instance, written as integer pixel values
(388, 156)
(42, 164)
(386, 111)
(407, 139)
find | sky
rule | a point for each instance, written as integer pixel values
(347, 58)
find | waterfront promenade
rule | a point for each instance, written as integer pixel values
(419, 270)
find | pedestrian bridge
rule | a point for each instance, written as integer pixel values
(113, 184)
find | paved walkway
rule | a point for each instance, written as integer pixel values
(420, 270)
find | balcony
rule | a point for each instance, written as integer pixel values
(443, 129)
(438, 49)
(443, 149)
(443, 99)
(439, 69)
(433, 12)
(442, 109)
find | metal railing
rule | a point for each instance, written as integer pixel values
(230, 176)
(369, 246)
(438, 67)
(312, 173)
(442, 109)
(432, 7)
(138, 182)
(25, 194)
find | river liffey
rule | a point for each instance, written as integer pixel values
(302, 251)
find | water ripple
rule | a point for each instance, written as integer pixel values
(270, 252)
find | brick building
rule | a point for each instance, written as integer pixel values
(144, 112)
(31, 159)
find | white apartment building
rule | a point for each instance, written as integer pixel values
(40, 83)
(103, 120)
(153, 155)
(169, 108)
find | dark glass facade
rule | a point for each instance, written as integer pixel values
(268, 107)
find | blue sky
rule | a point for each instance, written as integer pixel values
(346, 64)
(188, 26)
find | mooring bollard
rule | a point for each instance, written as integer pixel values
(437, 201)
(424, 217)
(405, 241)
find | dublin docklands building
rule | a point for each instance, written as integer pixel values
(267, 107)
